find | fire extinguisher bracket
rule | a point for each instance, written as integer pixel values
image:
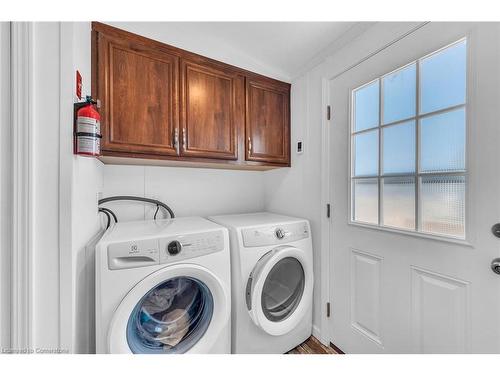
(92, 135)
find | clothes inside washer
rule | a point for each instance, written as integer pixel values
(161, 299)
(167, 313)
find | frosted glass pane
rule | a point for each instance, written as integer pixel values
(399, 94)
(365, 200)
(443, 78)
(398, 200)
(443, 142)
(366, 107)
(366, 154)
(399, 148)
(443, 205)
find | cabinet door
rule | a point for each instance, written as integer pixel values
(267, 121)
(138, 89)
(212, 106)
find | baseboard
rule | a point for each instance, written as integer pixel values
(325, 341)
(316, 333)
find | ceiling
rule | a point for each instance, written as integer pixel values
(277, 49)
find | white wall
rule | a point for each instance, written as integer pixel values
(86, 186)
(188, 191)
(296, 191)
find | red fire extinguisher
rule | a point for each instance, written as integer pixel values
(88, 129)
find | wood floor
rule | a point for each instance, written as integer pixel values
(312, 346)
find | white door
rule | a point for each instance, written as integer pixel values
(415, 191)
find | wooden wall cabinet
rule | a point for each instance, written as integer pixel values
(163, 105)
(267, 121)
(139, 95)
(211, 111)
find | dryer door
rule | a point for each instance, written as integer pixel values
(178, 309)
(279, 290)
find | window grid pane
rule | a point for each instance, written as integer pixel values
(442, 205)
(366, 153)
(365, 200)
(442, 142)
(398, 202)
(366, 106)
(399, 94)
(443, 78)
(398, 148)
(408, 189)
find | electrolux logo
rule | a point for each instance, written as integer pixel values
(134, 249)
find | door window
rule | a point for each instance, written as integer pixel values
(408, 138)
(171, 318)
(283, 289)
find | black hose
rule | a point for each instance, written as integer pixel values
(139, 199)
(107, 215)
(109, 212)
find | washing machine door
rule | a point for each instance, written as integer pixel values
(178, 309)
(279, 290)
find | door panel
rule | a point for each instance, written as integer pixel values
(365, 291)
(439, 313)
(268, 122)
(139, 96)
(396, 291)
(211, 111)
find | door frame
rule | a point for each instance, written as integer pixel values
(375, 39)
(17, 224)
(5, 186)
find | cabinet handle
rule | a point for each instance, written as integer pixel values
(249, 146)
(176, 140)
(184, 142)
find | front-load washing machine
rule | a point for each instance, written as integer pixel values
(272, 281)
(163, 287)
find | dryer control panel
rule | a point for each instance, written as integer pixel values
(150, 252)
(275, 234)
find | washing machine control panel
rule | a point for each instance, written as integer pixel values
(150, 252)
(188, 246)
(275, 234)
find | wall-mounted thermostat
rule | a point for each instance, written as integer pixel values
(300, 147)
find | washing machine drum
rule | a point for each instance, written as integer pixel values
(279, 290)
(171, 317)
(176, 309)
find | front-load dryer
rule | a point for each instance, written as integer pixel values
(272, 281)
(163, 287)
